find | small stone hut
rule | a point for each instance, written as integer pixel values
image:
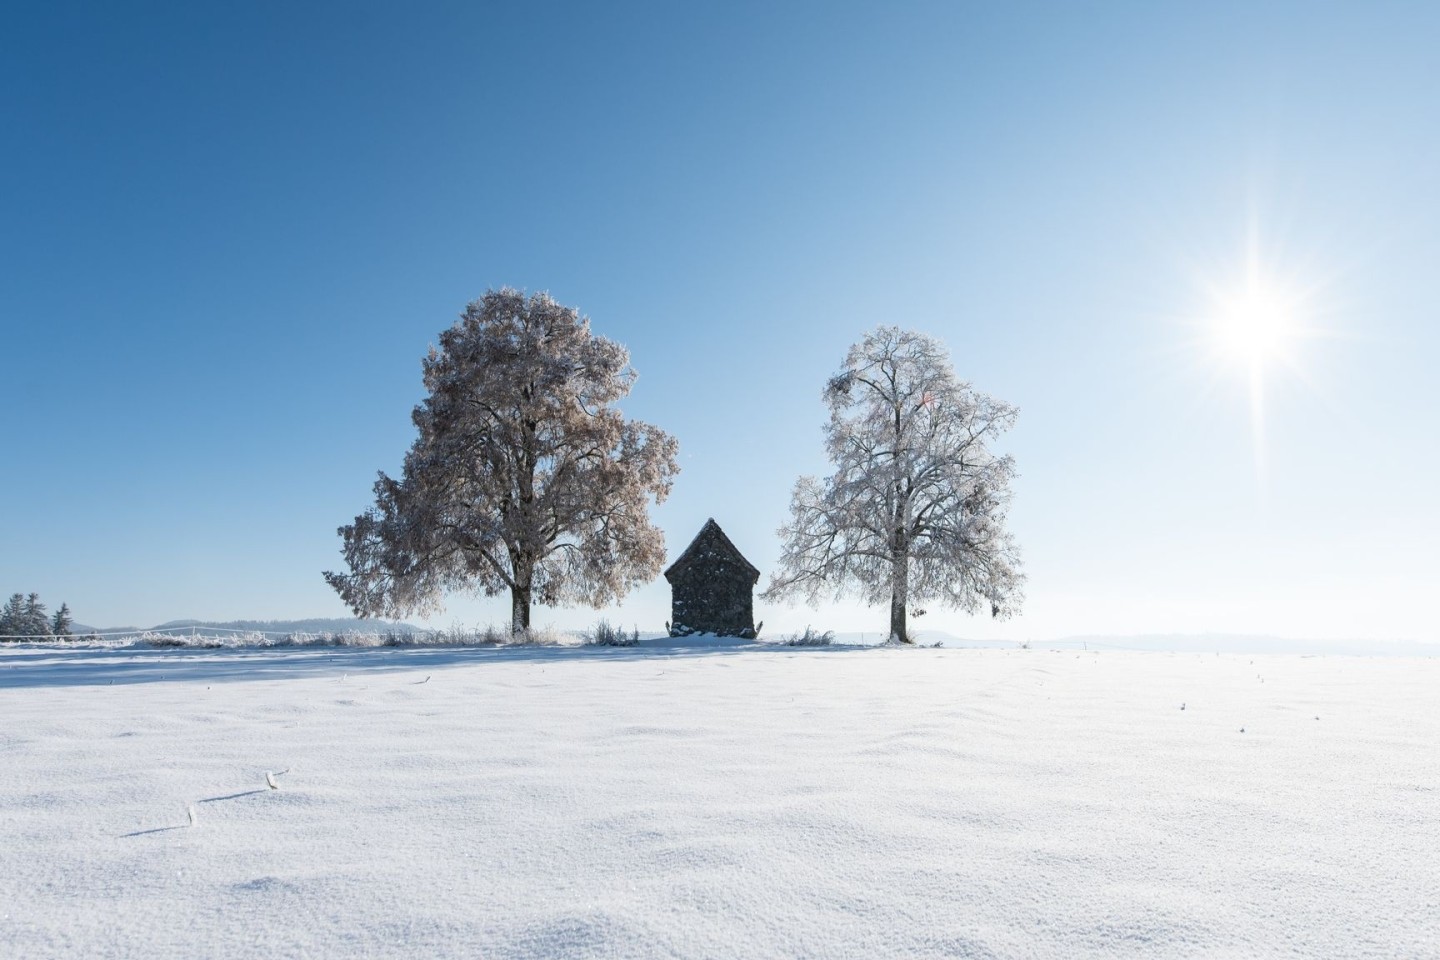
(711, 587)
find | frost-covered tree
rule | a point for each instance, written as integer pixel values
(915, 510)
(524, 476)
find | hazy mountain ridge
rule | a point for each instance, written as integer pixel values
(216, 627)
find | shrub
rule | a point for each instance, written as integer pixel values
(161, 641)
(604, 635)
(810, 638)
(165, 641)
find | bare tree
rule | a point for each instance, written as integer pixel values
(915, 511)
(524, 476)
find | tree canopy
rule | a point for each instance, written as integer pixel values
(915, 510)
(523, 477)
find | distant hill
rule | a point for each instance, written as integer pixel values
(210, 628)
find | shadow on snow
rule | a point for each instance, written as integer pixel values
(35, 666)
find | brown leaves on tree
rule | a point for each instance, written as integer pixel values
(523, 477)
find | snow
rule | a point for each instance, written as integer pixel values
(717, 800)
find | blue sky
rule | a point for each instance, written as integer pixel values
(230, 234)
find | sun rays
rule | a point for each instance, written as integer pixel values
(1254, 322)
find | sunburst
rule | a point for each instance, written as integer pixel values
(1257, 322)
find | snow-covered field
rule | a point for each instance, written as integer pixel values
(717, 801)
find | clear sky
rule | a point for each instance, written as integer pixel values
(230, 232)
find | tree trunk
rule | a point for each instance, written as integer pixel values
(899, 595)
(524, 573)
(897, 620)
(519, 609)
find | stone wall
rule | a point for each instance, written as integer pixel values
(711, 587)
(712, 597)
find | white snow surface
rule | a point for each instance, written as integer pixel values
(717, 800)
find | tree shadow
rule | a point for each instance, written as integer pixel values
(70, 667)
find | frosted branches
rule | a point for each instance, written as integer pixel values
(915, 509)
(523, 477)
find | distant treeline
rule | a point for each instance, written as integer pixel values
(24, 617)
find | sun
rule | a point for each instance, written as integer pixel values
(1257, 324)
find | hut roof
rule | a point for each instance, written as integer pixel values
(710, 537)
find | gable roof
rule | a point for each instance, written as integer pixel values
(710, 536)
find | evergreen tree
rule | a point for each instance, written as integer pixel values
(36, 623)
(12, 616)
(60, 623)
